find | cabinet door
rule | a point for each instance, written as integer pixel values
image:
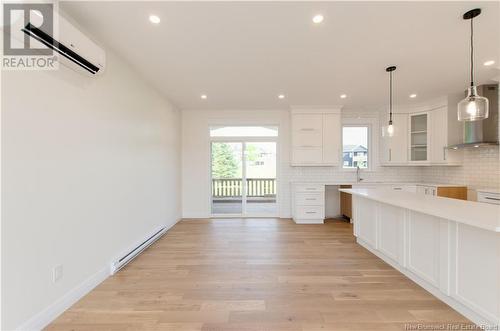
(399, 149)
(307, 122)
(423, 250)
(307, 130)
(419, 137)
(438, 135)
(331, 139)
(307, 156)
(390, 232)
(394, 149)
(365, 220)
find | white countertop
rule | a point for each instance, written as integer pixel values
(481, 215)
(373, 183)
(488, 190)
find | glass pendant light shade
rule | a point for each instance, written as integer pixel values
(388, 130)
(474, 107)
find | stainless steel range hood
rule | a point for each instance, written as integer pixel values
(482, 133)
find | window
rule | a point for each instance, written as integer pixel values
(355, 146)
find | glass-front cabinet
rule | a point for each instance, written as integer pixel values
(419, 137)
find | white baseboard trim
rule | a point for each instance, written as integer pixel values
(49, 314)
(188, 216)
(43, 318)
(309, 221)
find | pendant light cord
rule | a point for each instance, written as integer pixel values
(390, 98)
(471, 52)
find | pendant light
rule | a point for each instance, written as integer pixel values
(388, 131)
(474, 107)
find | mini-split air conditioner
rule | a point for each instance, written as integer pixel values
(71, 47)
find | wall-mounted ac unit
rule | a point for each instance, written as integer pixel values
(73, 48)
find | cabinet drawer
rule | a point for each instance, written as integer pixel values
(405, 188)
(488, 198)
(309, 188)
(309, 199)
(309, 212)
(313, 155)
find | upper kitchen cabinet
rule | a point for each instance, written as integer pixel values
(394, 150)
(445, 131)
(419, 137)
(315, 137)
(422, 134)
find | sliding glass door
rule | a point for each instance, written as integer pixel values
(243, 178)
(260, 173)
(227, 178)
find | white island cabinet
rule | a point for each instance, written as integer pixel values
(450, 247)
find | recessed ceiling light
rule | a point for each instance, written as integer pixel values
(413, 95)
(203, 96)
(318, 18)
(343, 96)
(281, 96)
(154, 19)
(488, 63)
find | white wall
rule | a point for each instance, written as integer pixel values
(196, 158)
(90, 166)
(196, 153)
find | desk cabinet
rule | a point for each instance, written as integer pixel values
(308, 203)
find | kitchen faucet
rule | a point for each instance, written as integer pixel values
(358, 177)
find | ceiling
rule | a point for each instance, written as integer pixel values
(242, 55)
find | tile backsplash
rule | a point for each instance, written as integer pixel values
(327, 174)
(480, 169)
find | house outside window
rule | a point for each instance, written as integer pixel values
(355, 147)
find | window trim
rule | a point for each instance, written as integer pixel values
(358, 123)
(215, 127)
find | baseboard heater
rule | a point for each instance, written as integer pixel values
(127, 257)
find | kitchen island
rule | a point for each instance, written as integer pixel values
(449, 247)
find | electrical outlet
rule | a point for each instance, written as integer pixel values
(57, 273)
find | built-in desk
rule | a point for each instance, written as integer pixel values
(309, 198)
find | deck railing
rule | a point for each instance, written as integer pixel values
(232, 187)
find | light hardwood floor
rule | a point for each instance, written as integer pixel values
(256, 274)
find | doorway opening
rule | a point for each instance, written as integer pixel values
(244, 171)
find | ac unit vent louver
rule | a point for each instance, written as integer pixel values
(50, 42)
